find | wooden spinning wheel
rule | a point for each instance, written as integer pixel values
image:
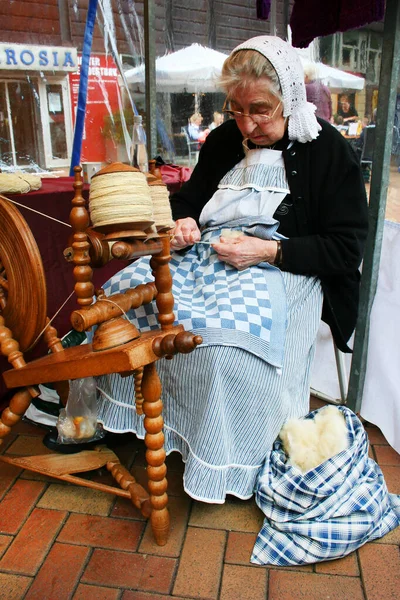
(23, 296)
(118, 347)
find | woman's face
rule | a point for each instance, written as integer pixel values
(256, 98)
(345, 104)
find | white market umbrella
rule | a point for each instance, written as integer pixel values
(339, 80)
(336, 79)
(192, 69)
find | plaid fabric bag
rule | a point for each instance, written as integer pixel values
(327, 512)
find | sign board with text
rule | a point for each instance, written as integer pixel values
(29, 57)
(102, 100)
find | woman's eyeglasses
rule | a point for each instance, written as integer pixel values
(258, 118)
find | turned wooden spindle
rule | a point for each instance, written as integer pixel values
(163, 280)
(79, 219)
(182, 343)
(155, 454)
(21, 400)
(10, 347)
(126, 481)
(154, 169)
(138, 377)
(51, 338)
(127, 250)
(107, 308)
(3, 289)
(54, 345)
(19, 404)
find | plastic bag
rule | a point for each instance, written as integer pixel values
(77, 422)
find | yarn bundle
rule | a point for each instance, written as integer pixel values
(161, 206)
(124, 196)
(19, 183)
(119, 197)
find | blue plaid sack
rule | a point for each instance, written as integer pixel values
(327, 512)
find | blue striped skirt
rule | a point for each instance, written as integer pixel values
(223, 406)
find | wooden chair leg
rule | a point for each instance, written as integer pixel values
(19, 404)
(155, 454)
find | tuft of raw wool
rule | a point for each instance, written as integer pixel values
(19, 183)
(34, 181)
(231, 234)
(310, 442)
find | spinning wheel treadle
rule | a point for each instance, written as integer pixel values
(23, 318)
(23, 296)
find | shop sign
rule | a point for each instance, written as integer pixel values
(103, 99)
(28, 57)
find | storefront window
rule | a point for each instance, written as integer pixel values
(5, 137)
(56, 118)
(23, 122)
(18, 124)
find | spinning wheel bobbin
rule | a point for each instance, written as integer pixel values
(124, 225)
(160, 198)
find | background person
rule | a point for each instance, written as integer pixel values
(290, 188)
(359, 147)
(218, 119)
(318, 93)
(346, 110)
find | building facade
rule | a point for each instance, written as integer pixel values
(40, 53)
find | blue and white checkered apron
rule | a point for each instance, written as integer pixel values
(245, 309)
(327, 512)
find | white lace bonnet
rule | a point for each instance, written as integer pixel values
(303, 125)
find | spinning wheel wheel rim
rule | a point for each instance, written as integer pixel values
(24, 303)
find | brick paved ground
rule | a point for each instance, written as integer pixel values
(59, 541)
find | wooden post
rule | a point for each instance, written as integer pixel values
(163, 281)
(155, 454)
(79, 219)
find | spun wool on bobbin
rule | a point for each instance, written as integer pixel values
(120, 197)
(161, 206)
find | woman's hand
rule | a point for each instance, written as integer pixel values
(245, 251)
(185, 233)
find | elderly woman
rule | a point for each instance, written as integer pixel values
(269, 233)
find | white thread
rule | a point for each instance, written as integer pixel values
(111, 302)
(52, 318)
(38, 212)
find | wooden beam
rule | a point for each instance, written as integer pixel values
(377, 200)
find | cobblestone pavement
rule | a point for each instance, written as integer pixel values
(59, 541)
